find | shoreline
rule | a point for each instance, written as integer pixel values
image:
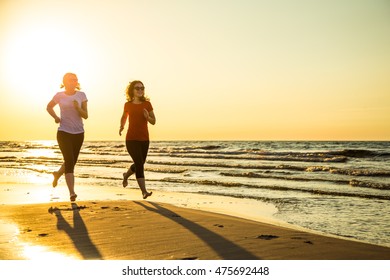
(144, 230)
(301, 187)
(253, 210)
(247, 209)
(117, 224)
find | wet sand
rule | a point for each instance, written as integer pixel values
(150, 230)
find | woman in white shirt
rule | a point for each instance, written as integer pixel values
(70, 134)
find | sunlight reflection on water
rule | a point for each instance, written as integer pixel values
(8, 232)
(9, 241)
(35, 252)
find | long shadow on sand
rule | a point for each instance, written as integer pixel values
(78, 233)
(226, 249)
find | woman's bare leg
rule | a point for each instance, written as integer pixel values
(57, 175)
(126, 176)
(69, 177)
(141, 184)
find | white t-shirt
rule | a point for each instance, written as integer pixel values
(71, 121)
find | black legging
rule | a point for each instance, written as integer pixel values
(138, 151)
(70, 145)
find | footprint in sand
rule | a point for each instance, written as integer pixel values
(217, 225)
(267, 237)
(43, 234)
(308, 242)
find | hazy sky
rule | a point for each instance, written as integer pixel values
(214, 69)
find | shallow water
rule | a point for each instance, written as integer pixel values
(340, 188)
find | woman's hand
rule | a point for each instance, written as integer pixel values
(146, 114)
(123, 122)
(83, 110)
(150, 117)
(51, 112)
(76, 104)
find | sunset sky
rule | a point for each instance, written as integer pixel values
(213, 69)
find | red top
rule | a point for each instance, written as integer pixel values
(138, 125)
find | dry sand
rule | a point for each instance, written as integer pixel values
(138, 230)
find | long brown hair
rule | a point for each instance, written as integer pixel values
(130, 91)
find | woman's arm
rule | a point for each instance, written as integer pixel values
(150, 116)
(123, 122)
(50, 110)
(83, 110)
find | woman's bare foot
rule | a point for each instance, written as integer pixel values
(146, 194)
(73, 197)
(124, 182)
(56, 176)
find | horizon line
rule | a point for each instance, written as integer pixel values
(216, 140)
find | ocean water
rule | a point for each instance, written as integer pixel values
(339, 188)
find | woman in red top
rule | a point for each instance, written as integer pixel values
(139, 111)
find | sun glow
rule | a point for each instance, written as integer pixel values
(37, 58)
(307, 75)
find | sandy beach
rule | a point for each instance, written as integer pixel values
(127, 228)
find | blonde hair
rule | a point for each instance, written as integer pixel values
(66, 77)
